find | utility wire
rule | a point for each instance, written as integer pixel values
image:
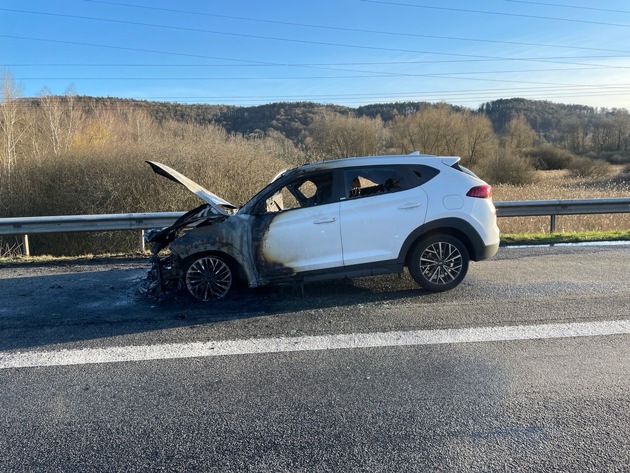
(459, 55)
(459, 92)
(576, 7)
(515, 71)
(357, 30)
(434, 76)
(376, 99)
(380, 63)
(485, 12)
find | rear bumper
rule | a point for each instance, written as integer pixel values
(486, 252)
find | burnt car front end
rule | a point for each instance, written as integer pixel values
(166, 272)
(168, 255)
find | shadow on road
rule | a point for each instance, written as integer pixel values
(44, 305)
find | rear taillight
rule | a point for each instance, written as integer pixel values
(481, 192)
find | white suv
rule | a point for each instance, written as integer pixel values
(336, 219)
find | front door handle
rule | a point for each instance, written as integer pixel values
(325, 220)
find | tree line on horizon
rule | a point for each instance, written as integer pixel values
(579, 129)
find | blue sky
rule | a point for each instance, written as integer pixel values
(349, 52)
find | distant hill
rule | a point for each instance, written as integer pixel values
(550, 120)
(543, 116)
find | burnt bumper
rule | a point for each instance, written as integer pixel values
(163, 275)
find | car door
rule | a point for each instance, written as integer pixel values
(381, 207)
(303, 232)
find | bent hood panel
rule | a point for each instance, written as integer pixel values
(216, 202)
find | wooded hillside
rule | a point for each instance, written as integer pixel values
(577, 128)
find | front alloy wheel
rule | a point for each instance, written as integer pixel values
(209, 278)
(439, 263)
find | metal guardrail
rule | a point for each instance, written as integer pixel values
(23, 226)
(553, 208)
(86, 223)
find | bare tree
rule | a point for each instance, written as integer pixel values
(341, 136)
(437, 130)
(61, 118)
(479, 138)
(519, 133)
(575, 135)
(621, 122)
(605, 135)
(12, 125)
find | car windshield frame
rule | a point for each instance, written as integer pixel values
(250, 207)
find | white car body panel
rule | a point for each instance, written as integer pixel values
(305, 239)
(375, 228)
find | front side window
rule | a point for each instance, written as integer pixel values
(301, 193)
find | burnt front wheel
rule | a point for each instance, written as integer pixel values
(439, 262)
(209, 278)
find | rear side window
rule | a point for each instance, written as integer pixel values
(378, 180)
(461, 168)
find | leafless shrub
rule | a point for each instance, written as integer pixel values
(588, 167)
(507, 169)
(10, 248)
(548, 157)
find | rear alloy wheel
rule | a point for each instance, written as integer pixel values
(439, 263)
(209, 278)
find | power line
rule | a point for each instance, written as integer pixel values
(485, 12)
(576, 7)
(434, 76)
(353, 74)
(375, 63)
(375, 99)
(171, 65)
(140, 50)
(461, 92)
(459, 55)
(357, 30)
(465, 92)
(271, 38)
(459, 96)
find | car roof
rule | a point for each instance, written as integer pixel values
(413, 158)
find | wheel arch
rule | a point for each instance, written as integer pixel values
(455, 227)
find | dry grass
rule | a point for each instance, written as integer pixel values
(111, 176)
(560, 185)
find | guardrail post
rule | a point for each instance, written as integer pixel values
(141, 241)
(552, 224)
(26, 247)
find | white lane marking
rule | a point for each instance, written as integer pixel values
(310, 343)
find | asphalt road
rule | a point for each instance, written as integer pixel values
(544, 401)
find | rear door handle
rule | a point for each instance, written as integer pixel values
(325, 220)
(411, 205)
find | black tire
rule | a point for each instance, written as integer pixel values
(439, 262)
(208, 278)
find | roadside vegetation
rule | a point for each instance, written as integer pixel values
(71, 155)
(511, 239)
